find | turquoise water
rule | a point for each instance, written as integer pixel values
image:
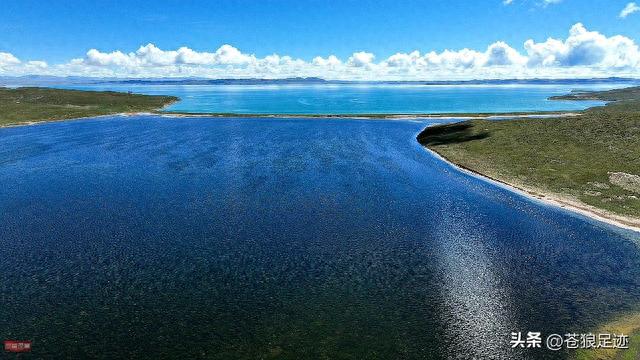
(150, 237)
(362, 99)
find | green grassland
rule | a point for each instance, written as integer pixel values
(628, 324)
(594, 157)
(31, 104)
(28, 104)
(618, 96)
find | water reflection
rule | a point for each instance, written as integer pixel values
(290, 238)
(477, 303)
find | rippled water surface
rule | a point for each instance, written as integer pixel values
(144, 237)
(362, 98)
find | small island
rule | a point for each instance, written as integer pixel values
(34, 104)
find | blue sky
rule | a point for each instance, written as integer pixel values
(58, 31)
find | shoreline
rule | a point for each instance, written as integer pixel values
(556, 200)
(627, 323)
(449, 116)
(378, 115)
(41, 122)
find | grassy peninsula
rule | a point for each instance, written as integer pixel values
(30, 104)
(590, 161)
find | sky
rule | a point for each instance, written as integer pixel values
(345, 39)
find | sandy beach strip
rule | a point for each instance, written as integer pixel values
(452, 117)
(564, 202)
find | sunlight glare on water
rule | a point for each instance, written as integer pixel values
(307, 238)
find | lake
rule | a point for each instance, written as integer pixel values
(362, 98)
(218, 238)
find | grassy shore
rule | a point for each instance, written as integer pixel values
(33, 104)
(629, 324)
(29, 104)
(589, 160)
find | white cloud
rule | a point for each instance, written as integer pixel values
(115, 58)
(37, 64)
(151, 55)
(405, 60)
(497, 54)
(501, 54)
(227, 54)
(629, 9)
(584, 48)
(582, 53)
(507, 2)
(8, 59)
(330, 61)
(360, 59)
(184, 55)
(450, 59)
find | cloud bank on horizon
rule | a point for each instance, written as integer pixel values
(583, 53)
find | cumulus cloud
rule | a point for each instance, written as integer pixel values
(330, 61)
(583, 53)
(629, 9)
(227, 54)
(36, 64)
(584, 48)
(461, 59)
(360, 59)
(97, 58)
(497, 54)
(151, 55)
(8, 59)
(405, 60)
(501, 54)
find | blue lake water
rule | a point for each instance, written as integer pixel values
(362, 99)
(157, 237)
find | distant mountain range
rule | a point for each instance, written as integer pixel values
(36, 80)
